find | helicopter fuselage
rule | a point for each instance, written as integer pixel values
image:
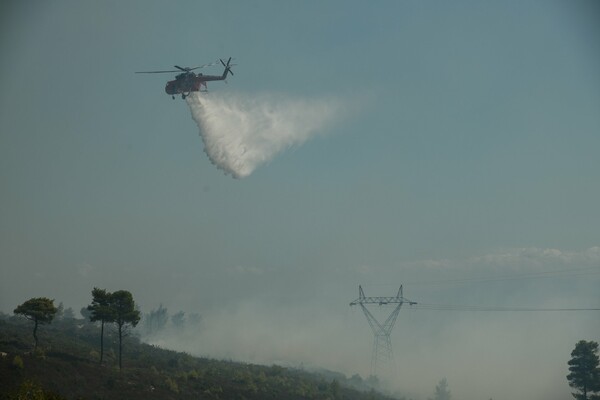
(190, 82)
(184, 83)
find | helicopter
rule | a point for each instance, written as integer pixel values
(187, 81)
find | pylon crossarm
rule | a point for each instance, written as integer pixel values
(379, 300)
(398, 299)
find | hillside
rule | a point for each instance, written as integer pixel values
(66, 366)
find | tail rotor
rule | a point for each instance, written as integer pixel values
(227, 65)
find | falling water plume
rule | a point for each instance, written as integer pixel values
(241, 132)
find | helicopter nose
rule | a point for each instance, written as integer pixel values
(170, 88)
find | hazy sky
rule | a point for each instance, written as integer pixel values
(464, 144)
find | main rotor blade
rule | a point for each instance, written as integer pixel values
(184, 69)
(155, 72)
(203, 65)
(188, 69)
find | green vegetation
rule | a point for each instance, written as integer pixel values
(117, 307)
(101, 311)
(584, 371)
(156, 322)
(18, 362)
(40, 310)
(441, 391)
(123, 306)
(66, 367)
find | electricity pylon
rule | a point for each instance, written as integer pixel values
(382, 345)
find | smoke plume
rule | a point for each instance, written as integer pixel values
(241, 132)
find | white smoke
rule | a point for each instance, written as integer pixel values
(241, 132)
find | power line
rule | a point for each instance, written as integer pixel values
(456, 307)
(382, 354)
(514, 277)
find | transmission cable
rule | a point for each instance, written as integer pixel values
(455, 307)
(529, 275)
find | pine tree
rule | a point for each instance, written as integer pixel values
(40, 310)
(100, 310)
(441, 391)
(125, 313)
(584, 372)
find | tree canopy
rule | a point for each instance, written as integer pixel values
(125, 314)
(40, 310)
(101, 310)
(155, 320)
(441, 391)
(124, 309)
(584, 372)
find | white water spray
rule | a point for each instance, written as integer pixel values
(241, 132)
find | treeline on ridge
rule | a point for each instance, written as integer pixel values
(64, 361)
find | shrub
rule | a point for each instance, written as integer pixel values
(18, 362)
(172, 385)
(94, 355)
(29, 390)
(39, 353)
(193, 374)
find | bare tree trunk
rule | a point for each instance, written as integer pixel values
(120, 345)
(35, 326)
(102, 342)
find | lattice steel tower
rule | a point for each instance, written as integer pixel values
(382, 345)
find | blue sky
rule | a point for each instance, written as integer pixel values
(471, 130)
